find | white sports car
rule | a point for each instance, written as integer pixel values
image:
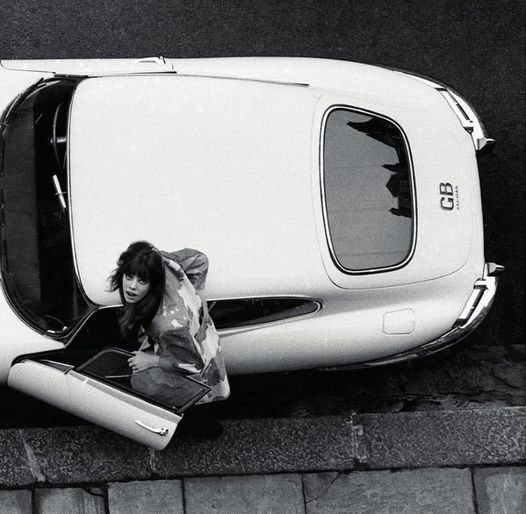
(338, 203)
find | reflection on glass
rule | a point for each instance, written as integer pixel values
(368, 195)
(254, 311)
(111, 366)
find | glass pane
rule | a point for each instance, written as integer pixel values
(37, 260)
(368, 196)
(245, 312)
(111, 366)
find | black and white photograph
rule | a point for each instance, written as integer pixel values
(262, 257)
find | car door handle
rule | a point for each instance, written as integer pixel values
(160, 430)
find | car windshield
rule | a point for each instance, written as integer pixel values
(368, 191)
(37, 262)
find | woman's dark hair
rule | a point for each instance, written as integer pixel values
(144, 260)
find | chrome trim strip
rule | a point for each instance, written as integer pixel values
(495, 269)
(468, 118)
(245, 79)
(476, 294)
(466, 121)
(324, 206)
(458, 104)
(154, 60)
(70, 210)
(196, 75)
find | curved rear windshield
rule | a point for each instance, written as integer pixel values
(368, 191)
(36, 254)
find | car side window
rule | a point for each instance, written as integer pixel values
(254, 311)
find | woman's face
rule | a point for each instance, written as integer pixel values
(133, 288)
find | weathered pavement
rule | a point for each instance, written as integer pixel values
(431, 490)
(459, 461)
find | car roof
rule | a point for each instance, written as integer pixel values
(220, 165)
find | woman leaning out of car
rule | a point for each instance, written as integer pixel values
(165, 312)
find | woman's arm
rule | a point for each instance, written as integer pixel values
(177, 351)
(194, 264)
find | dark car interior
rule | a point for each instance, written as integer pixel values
(99, 352)
(37, 260)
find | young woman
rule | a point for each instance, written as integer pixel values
(165, 312)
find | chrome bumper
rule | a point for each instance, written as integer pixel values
(469, 119)
(464, 111)
(474, 312)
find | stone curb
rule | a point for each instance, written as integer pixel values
(88, 454)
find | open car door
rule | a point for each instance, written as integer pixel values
(99, 390)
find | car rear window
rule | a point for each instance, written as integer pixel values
(368, 191)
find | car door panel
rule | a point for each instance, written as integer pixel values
(95, 401)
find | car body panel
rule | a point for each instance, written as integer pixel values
(95, 401)
(18, 338)
(202, 185)
(226, 155)
(444, 237)
(337, 334)
(277, 171)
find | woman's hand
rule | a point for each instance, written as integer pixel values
(142, 361)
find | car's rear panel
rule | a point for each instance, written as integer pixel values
(445, 190)
(251, 196)
(247, 190)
